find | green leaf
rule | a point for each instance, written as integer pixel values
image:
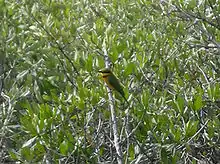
(29, 142)
(94, 38)
(26, 122)
(217, 91)
(145, 98)
(192, 4)
(82, 93)
(64, 147)
(129, 68)
(164, 156)
(114, 53)
(121, 47)
(177, 134)
(81, 104)
(39, 150)
(101, 150)
(180, 103)
(211, 129)
(26, 153)
(191, 128)
(14, 155)
(89, 63)
(132, 152)
(197, 103)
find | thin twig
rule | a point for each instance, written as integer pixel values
(203, 73)
(191, 15)
(198, 131)
(64, 68)
(58, 45)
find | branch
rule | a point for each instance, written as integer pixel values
(1, 73)
(58, 45)
(67, 76)
(198, 131)
(215, 14)
(191, 15)
(112, 109)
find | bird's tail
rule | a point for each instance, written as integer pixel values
(125, 99)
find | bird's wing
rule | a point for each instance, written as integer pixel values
(113, 81)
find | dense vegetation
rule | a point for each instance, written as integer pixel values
(56, 109)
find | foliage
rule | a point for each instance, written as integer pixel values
(54, 107)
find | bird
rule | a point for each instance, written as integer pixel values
(112, 81)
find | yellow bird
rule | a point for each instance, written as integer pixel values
(111, 81)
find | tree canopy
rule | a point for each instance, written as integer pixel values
(55, 107)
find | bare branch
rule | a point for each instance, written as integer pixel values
(113, 115)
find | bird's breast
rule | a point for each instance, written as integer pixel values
(106, 79)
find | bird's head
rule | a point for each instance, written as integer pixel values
(105, 71)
